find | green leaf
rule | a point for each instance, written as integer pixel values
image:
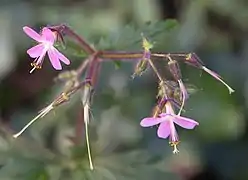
(117, 64)
(71, 48)
(130, 37)
(24, 168)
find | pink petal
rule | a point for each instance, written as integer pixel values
(62, 57)
(184, 122)
(54, 59)
(173, 132)
(164, 114)
(36, 51)
(147, 122)
(31, 33)
(164, 130)
(48, 35)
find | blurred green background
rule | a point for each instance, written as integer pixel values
(218, 149)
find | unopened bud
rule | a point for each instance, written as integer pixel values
(87, 94)
(66, 75)
(193, 60)
(175, 70)
(147, 46)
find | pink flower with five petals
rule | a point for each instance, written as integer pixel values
(166, 125)
(46, 40)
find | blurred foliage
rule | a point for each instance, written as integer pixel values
(216, 30)
(129, 38)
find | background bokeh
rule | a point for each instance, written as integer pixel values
(218, 149)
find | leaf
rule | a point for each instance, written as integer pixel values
(54, 171)
(71, 48)
(23, 168)
(130, 37)
(117, 64)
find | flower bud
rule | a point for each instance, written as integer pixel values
(193, 60)
(87, 94)
(175, 70)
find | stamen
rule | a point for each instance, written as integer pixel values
(174, 145)
(35, 66)
(32, 70)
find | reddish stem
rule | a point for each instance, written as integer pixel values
(115, 55)
(64, 29)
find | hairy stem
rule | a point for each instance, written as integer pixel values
(122, 55)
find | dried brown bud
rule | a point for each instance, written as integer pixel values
(175, 70)
(140, 68)
(193, 60)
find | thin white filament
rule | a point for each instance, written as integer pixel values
(218, 78)
(42, 114)
(86, 121)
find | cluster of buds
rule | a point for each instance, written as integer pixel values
(172, 94)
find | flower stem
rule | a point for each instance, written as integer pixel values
(121, 55)
(64, 29)
(155, 70)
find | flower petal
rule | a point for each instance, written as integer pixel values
(173, 132)
(48, 35)
(31, 33)
(62, 57)
(150, 121)
(184, 122)
(162, 115)
(164, 130)
(54, 59)
(36, 51)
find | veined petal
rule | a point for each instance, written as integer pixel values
(164, 130)
(36, 51)
(61, 57)
(165, 115)
(32, 34)
(184, 122)
(173, 132)
(48, 35)
(150, 121)
(54, 59)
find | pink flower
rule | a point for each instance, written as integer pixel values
(166, 125)
(46, 40)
